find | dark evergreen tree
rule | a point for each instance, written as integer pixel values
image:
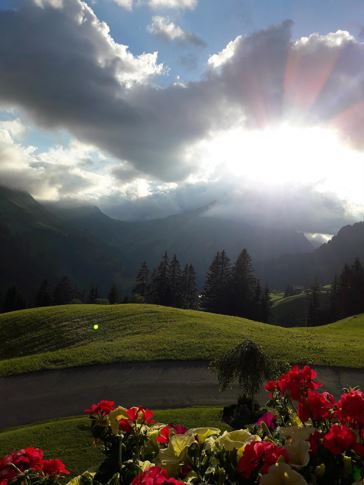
(266, 306)
(174, 282)
(43, 296)
(63, 292)
(189, 289)
(13, 300)
(215, 296)
(245, 292)
(141, 287)
(159, 290)
(93, 295)
(113, 294)
(313, 313)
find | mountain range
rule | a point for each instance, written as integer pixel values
(45, 241)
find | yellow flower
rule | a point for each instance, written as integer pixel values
(282, 474)
(297, 433)
(115, 416)
(235, 439)
(174, 454)
(203, 433)
(298, 453)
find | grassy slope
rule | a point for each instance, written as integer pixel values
(63, 336)
(292, 310)
(70, 439)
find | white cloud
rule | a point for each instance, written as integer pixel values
(153, 4)
(179, 4)
(217, 60)
(165, 28)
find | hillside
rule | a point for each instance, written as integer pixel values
(322, 264)
(37, 245)
(63, 336)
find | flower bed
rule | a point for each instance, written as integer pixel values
(304, 437)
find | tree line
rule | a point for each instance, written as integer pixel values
(346, 296)
(62, 293)
(230, 289)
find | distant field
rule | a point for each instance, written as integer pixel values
(63, 336)
(292, 310)
(70, 438)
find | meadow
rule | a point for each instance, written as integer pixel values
(71, 439)
(77, 335)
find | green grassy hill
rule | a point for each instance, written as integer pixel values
(292, 310)
(63, 336)
(70, 438)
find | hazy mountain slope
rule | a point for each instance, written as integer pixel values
(322, 264)
(194, 236)
(35, 244)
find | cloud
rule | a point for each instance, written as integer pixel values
(153, 4)
(65, 71)
(166, 29)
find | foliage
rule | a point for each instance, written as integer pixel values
(305, 438)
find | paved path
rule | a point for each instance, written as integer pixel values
(50, 394)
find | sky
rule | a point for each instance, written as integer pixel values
(147, 108)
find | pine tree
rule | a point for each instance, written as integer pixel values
(113, 294)
(141, 287)
(63, 292)
(43, 296)
(215, 296)
(13, 300)
(93, 295)
(189, 289)
(313, 313)
(174, 281)
(159, 291)
(265, 306)
(245, 293)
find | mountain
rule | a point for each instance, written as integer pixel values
(39, 241)
(35, 244)
(194, 236)
(322, 264)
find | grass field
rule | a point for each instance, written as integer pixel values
(70, 438)
(292, 310)
(63, 336)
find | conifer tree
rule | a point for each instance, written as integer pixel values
(13, 300)
(63, 292)
(245, 293)
(141, 287)
(43, 296)
(93, 295)
(189, 289)
(113, 294)
(313, 314)
(159, 291)
(215, 293)
(174, 283)
(265, 306)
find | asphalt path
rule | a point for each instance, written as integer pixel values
(29, 398)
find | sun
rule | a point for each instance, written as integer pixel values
(283, 155)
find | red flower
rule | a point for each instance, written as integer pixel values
(351, 408)
(103, 408)
(297, 382)
(164, 435)
(155, 476)
(125, 426)
(269, 419)
(179, 428)
(359, 449)
(27, 459)
(271, 386)
(140, 415)
(314, 440)
(339, 438)
(316, 406)
(260, 455)
(54, 467)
